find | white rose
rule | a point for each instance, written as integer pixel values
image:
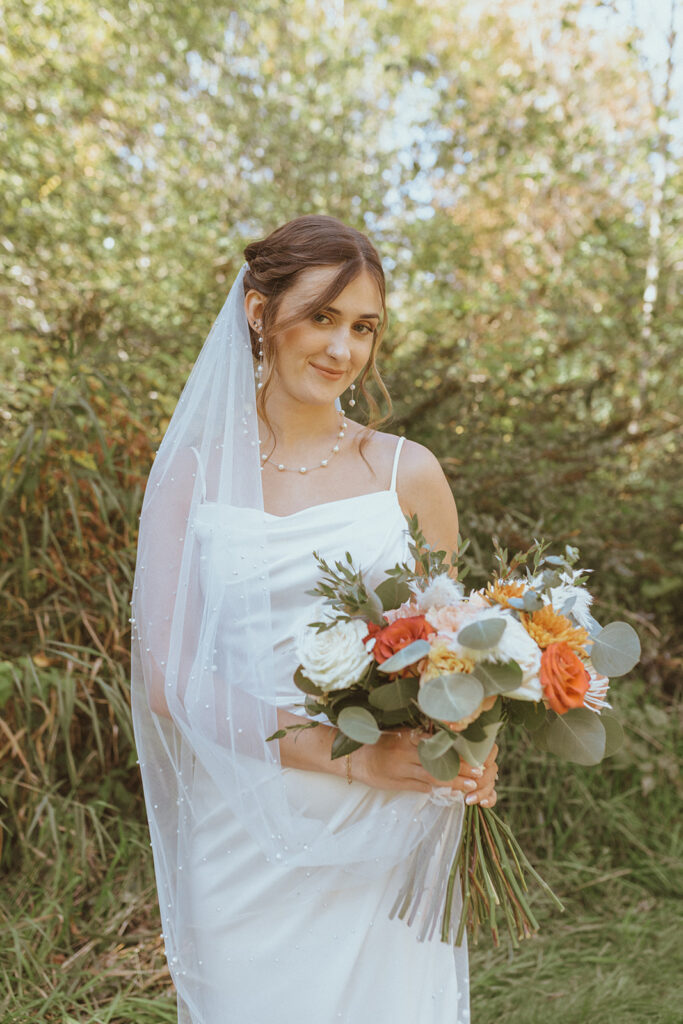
(516, 645)
(336, 657)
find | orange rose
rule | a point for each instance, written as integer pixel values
(397, 635)
(564, 678)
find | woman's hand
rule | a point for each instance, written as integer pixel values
(393, 763)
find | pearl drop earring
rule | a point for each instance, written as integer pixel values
(258, 326)
(352, 400)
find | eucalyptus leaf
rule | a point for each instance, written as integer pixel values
(555, 560)
(482, 634)
(342, 745)
(372, 608)
(578, 736)
(358, 724)
(616, 650)
(450, 697)
(532, 602)
(314, 707)
(393, 593)
(551, 579)
(516, 602)
(527, 713)
(539, 737)
(389, 719)
(475, 752)
(438, 757)
(613, 731)
(494, 713)
(475, 732)
(396, 695)
(498, 677)
(408, 655)
(305, 684)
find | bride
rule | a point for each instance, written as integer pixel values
(278, 868)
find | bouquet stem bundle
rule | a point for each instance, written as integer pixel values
(493, 872)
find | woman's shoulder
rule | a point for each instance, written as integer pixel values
(418, 467)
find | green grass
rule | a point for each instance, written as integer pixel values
(615, 963)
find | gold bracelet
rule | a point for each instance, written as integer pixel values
(349, 779)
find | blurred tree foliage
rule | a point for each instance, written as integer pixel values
(505, 175)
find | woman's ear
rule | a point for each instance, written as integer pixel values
(254, 305)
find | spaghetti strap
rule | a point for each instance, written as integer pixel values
(394, 470)
(200, 470)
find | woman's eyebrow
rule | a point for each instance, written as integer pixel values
(361, 316)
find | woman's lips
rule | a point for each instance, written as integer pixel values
(329, 374)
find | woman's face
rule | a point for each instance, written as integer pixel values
(318, 358)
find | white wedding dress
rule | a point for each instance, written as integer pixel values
(268, 946)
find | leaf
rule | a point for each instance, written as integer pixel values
(475, 752)
(449, 698)
(358, 724)
(342, 745)
(614, 733)
(280, 734)
(408, 655)
(372, 608)
(313, 707)
(438, 756)
(616, 650)
(527, 713)
(392, 593)
(389, 719)
(498, 677)
(531, 601)
(305, 684)
(578, 736)
(475, 733)
(539, 737)
(396, 695)
(481, 635)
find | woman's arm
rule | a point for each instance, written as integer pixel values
(423, 490)
(391, 763)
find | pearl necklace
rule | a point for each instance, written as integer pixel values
(323, 462)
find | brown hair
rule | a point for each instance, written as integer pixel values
(276, 262)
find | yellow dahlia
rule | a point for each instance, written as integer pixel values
(547, 626)
(500, 592)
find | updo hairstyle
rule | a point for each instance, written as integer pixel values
(275, 263)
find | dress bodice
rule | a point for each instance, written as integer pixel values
(244, 542)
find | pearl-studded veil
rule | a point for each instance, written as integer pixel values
(203, 678)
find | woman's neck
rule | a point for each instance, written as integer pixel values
(295, 427)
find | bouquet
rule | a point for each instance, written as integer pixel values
(420, 651)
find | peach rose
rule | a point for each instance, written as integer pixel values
(453, 617)
(405, 611)
(564, 678)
